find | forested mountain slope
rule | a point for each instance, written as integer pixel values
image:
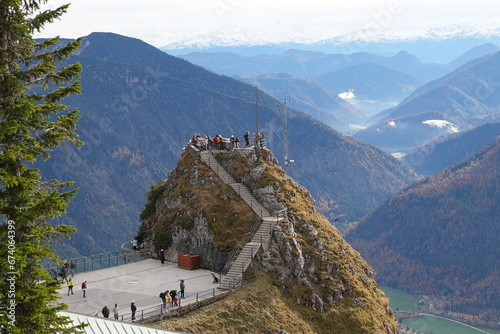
(446, 151)
(440, 235)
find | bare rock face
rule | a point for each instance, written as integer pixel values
(179, 225)
(172, 204)
(285, 257)
(197, 240)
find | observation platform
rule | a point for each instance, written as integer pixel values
(141, 281)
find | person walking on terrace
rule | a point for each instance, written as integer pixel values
(116, 311)
(163, 296)
(70, 286)
(72, 268)
(133, 308)
(84, 288)
(105, 311)
(162, 256)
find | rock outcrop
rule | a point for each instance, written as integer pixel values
(318, 274)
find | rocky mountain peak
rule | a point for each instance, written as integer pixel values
(196, 212)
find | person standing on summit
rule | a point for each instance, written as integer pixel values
(247, 138)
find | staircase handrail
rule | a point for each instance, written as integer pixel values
(281, 214)
(248, 236)
(239, 246)
(239, 281)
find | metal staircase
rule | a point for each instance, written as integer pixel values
(261, 236)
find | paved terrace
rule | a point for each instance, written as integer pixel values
(141, 281)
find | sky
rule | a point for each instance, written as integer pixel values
(162, 21)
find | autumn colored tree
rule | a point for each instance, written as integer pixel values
(32, 123)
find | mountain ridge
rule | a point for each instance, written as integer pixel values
(457, 39)
(445, 151)
(312, 64)
(140, 106)
(310, 96)
(466, 94)
(371, 81)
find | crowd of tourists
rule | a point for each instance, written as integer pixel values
(218, 142)
(173, 297)
(169, 298)
(67, 270)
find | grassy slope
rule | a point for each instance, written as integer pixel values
(229, 218)
(351, 269)
(261, 307)
(256, 308)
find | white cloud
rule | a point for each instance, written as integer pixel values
(347, 95)
(441, 124)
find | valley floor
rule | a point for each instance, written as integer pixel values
(416, 319)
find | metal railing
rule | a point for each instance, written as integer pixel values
(259, 142)
(246, 277)
(237, 249)
(226, 144)
(95, 262)
(158, 309)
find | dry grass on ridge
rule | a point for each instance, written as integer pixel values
(255, 308)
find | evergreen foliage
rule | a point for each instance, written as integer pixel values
(152, 195)
(32, 122)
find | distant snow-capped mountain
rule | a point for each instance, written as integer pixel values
(436, 44)
(275, 34)
(278, 34)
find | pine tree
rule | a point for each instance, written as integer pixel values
(32, 122)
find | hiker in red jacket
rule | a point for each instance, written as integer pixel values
(84, 287)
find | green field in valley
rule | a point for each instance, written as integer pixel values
(399, 300)
(402, 301)
(435, 325)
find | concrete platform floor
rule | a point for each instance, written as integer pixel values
(141, 281)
